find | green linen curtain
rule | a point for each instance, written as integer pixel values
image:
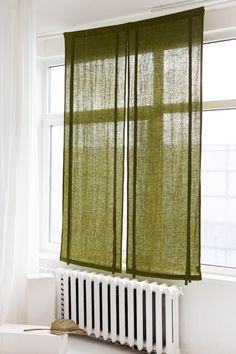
(93, 148)
(164, 146)
(141, 80)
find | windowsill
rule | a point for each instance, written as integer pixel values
(209, 273)
(219, 273)
(218, 277)
(49, 261)
(48, 256)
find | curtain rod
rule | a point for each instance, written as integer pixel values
(208, 4)
(162, 9)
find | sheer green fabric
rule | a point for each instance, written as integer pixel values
(164, 146)
(94, 148)
(141, 81)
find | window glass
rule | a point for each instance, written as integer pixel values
(219, 188)
(218, 202)
(98, 70)
(56, 176)
(174, 67)
(219, 70)
(56, 89)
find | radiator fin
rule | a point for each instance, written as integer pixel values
(136, 313)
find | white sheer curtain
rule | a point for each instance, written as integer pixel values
(18, 151)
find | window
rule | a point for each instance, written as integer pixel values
(56, 176)
(52, 168)
(218, 153)
(56, 89)
(55, 106)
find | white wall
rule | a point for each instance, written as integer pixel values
(218, 24)
(207, 318)
(208, 308)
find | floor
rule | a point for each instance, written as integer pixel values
(89, 345)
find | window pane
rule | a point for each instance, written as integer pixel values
(214, 158)
(56, 89)
(232, 159)
(219, 129)
(56, 172)
(213, 183)
(97, 71)
(232, 184)
(219, 71)
(219, 188)
(175, 70)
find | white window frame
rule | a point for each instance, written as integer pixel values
(48, 120)
(213, 37)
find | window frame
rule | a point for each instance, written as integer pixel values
(218, 105)
(49, 119)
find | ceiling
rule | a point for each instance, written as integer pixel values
(57, 15)
(61, 15)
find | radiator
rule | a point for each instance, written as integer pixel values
(134, 313)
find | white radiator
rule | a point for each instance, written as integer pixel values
(139, 314)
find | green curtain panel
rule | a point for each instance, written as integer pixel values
(134, 90)
(164, 146)
(94, 148)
